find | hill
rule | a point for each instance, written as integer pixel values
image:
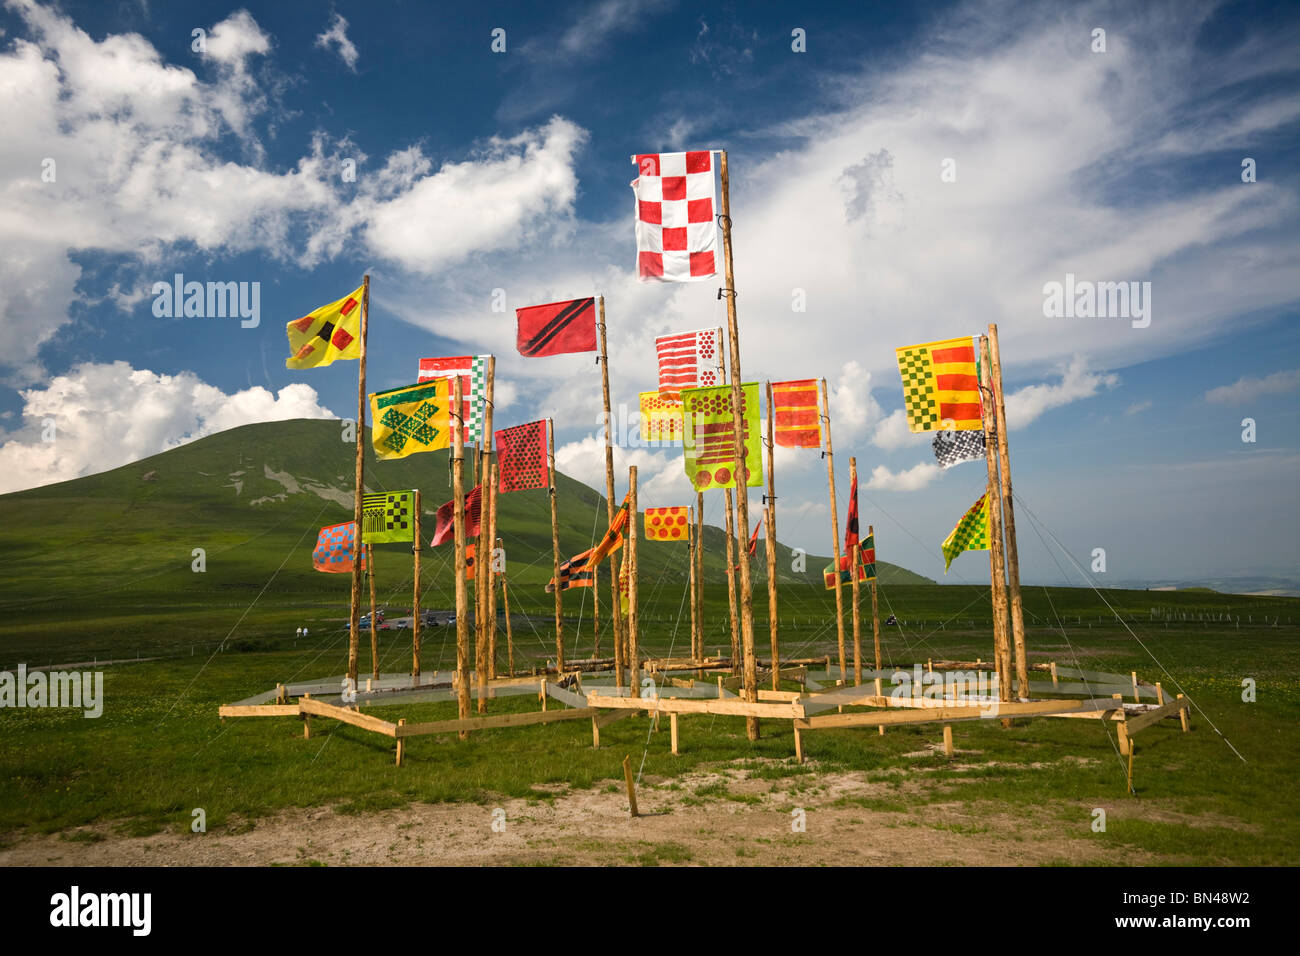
(105, 560)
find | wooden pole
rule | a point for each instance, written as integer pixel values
(738, 417)
(595, 616)
(374, 626)
(633, 652)
(615, 612)
(555, 549)
(875, 610)
(494, 471)
(699, 572)
(997, 561)
(510, 634)
(483, 547)
(835, 524)
(855, 589)
(458, 522)
(1009, 521)
(731, 584)
(415, 600)
(631, 787)
(354, 618)
(770, 517)
(691, 545)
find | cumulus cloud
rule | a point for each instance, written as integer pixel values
(661, 480)
(100, 416)
(1248, 388)
(1026, 404)
(336, 37)
(918, 476)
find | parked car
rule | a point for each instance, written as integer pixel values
(379, 619)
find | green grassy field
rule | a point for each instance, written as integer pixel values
(111, 578)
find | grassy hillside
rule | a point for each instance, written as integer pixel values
(102, 564)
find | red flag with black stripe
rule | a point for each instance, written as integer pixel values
(851, 527)
(557, 328)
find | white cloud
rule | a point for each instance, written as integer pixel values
(918, 476)
(1137, 408)
(337, 37)
(1077, 382)
(107, 415)
(661, 480)
(1248, 388)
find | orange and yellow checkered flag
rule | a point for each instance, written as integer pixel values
(941, 384)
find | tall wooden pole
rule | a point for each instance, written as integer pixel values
(633, 652)
(742, 480)
(770, 517)
(997, 561)
(875, 609)
(415, 599)
(510, 634)
(699, 573)
(483, 547)
(691, 545)
(615, 613)
(731, 584)
(855, 588)
(354, 614)
(458, 524)
(490, 559)
(555, 549)
(595, 616)
(374, 625)
(1009, 520)
(835, 525)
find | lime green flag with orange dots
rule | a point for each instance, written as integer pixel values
(709, 437)
(971, 533)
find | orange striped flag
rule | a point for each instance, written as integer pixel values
(794, 407)
(940, 385)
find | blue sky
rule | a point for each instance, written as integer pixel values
(479, 170)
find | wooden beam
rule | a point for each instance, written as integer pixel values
(1151, 717)
(943, 714)
(319, 708)
(686, 705)
(258, 710)
(494, 722)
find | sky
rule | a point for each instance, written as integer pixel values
(899, 174)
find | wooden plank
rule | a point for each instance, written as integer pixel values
(493, 722)
(945, 714)
(730, 707)
(604, 720)
(672, 727)
(258, 710)
(364, 721)
(565, 696)
(1155, 716)
(779, 695)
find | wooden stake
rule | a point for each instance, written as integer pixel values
(672, 732)
(798, 746)
(458, 521)
(947, 739)
(1009, 521)
(997, 561)
(510, 636)
(306, 721)
(1182, 716)
(415, 600)
(631, 787)
(374, 626)
(633, 622)
(770, 517)
(615, 613)
(731, 584)
(835, 523)
(738, 417)
(555, 548)
(354, 619)
(875, 611)
(401, 742)
(855, 589)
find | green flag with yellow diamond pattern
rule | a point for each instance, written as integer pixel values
(971, 533)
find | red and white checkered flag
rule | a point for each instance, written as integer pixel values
(676, 228)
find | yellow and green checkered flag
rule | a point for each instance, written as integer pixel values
(971, 533)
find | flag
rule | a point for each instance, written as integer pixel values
(795, 414)
(667, 524)
(710, 437)
(953, 447)
(613, 539)
(623, 578)
(577, 572)
(688, 360)
(331, 332)
(521, 455)
(469, 555)
(753, 545)
(940, 384)
(866, 565)
(333, 551)
(851, 523)
(676, 232)
(472, 370)
(557, 328)
(661, 418)
(388, 516)
(970, 534)
(444, 528)
(411, 419)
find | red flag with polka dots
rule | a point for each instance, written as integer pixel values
(667, 524)
(676, 209)
(521, 457)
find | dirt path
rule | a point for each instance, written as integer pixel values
(727, 816)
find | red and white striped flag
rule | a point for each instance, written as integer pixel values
(676, 228)
(688, 360)
(472, 370)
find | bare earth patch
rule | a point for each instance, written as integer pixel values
(728, 816)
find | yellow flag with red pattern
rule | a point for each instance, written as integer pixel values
(331, 332)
